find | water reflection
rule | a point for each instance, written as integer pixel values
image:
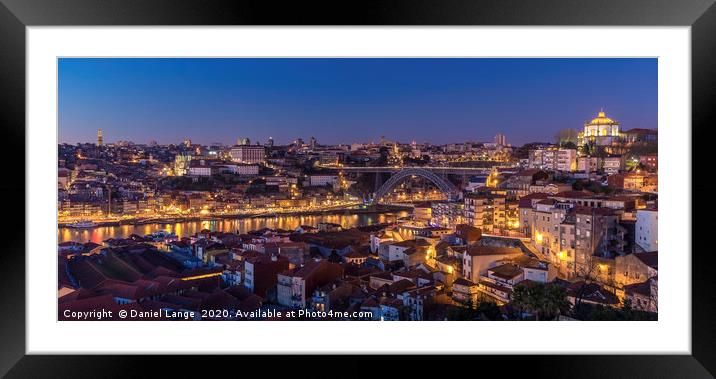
(184, 229)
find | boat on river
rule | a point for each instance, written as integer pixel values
(82, 224)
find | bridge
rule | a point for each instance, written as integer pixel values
(438, 169)
(443, 185)
(443, 171)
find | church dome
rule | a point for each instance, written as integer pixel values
(602, 119)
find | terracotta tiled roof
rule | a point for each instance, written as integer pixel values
(506, 271)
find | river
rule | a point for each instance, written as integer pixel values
(243, 225)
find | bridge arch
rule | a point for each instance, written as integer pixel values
(443, 185)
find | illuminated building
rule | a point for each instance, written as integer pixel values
(631, 180)
(181, 164)
(490, 213)
(248, 153)
(553, 159)
(99, 137)
(601, 130)
(295, 285)
(650, 161)
(446, 213)
(199, 168)
(422, 212)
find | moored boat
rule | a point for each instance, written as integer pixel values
(82, 224)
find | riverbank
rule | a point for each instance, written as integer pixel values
(347, 210)
(347, 219)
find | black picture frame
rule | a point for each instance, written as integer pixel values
(16, 15)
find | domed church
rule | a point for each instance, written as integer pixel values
(602, 130)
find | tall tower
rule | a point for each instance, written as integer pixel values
(99, 137)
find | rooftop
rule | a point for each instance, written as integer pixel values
(506, 271)
(479, 250)
(602, 119)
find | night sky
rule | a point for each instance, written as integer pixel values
(436, 100)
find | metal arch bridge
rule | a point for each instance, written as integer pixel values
(457, 170)
(443, 185)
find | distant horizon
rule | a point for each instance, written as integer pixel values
(305, 140)
(348, 100)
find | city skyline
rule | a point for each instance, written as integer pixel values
(444, 229)
(348, 100)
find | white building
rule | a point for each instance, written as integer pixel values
(647, 229)
(249, 279)
(242, 169)
(612, 165)
(396, 250)
(321, 180)
(553, 159)
(199, 168)
(588, 164)
(476, 260)
(248, 154)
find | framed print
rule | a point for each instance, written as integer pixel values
(458, 178)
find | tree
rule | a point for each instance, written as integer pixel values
(625, 312)
(364, 185)
(488, 309)
(566, 136)
(544, 301)
(569, 145)
(520, 299)
(467, 312)
(474, 310)
(555, 301)
(590, 270)
(591, 149)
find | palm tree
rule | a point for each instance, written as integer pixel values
(545, 301)
(555, 301)
(535, 299)
(519, 299)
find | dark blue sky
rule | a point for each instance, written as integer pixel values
(433, 100)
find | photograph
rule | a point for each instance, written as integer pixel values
(357, 189)
(482, 172)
